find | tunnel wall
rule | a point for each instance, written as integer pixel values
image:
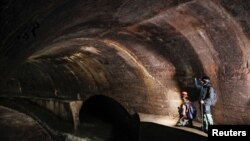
(142, 57)
(17, 126)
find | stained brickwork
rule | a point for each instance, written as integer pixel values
(140, 53)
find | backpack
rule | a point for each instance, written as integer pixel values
(213, 96)
(191, 111)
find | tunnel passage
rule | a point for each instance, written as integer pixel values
(142, 54)
(107, 110)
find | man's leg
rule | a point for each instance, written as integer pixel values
(190, 122)
(205, 123)
(210, 119)
(181, 122)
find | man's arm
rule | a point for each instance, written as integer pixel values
(208, 99)
(184, 107)
(197, 84)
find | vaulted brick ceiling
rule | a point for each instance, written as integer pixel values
(141, 53)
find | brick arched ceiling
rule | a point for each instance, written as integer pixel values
(141, 53)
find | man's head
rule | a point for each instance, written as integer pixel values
(205, 80)
(184, 95)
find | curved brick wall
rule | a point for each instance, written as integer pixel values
(142, 54)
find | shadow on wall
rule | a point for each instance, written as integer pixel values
(124, 126)
(155, 132)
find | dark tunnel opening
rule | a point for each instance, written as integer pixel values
(101, 109)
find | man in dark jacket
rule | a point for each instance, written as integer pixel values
(204, 87)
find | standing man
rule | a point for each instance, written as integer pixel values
(205, 89)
